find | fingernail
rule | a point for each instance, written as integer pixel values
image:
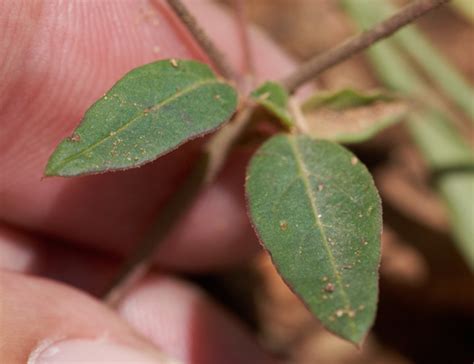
(92, 352)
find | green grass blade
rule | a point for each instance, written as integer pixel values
(452, 163)
(441, 72)
(441, 145)
(465, 8)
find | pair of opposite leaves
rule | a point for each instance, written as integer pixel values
(312, 203)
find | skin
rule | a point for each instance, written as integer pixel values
(57, 58)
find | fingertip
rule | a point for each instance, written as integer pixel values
(47, 322)
(187, 324)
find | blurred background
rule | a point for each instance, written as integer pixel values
(426, 307)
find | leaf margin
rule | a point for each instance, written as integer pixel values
(360, 341)
(211, 78)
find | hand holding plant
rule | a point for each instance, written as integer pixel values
(311, 202)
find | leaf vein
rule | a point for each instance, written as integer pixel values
(138, 115)
(304, 174)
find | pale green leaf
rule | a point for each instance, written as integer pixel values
(149, 112)
(274, 98)
(317, 211)
(349, 116)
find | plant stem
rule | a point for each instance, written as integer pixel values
(215, 55)
(247, 80)
(346, 49)
(208, 166)
(442, 146)
(219, 146)
(136, 266)
(298, 117)
(444, 75)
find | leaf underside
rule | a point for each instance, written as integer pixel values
(349, 116)
(149, 112)
(315, 208)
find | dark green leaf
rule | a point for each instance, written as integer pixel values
(149, 112)
(316, 209)
(349, 116)
(274, 98)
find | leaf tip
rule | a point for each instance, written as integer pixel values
(356, 338)
(57, 165)
(359, 341)
(52, 169)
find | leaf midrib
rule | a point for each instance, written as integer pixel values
(304, 174)
(137, 116)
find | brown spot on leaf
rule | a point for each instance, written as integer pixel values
(75, 138)
(329, 287)
(174, 62)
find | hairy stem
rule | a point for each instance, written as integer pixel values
(141, 259)
(219, 146)
(247, 80)
(210, 163)
(216, 56)
(346, 49)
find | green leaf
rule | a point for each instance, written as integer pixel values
(274, 98)
(151, 111)
(317, 211)
(349, 116)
